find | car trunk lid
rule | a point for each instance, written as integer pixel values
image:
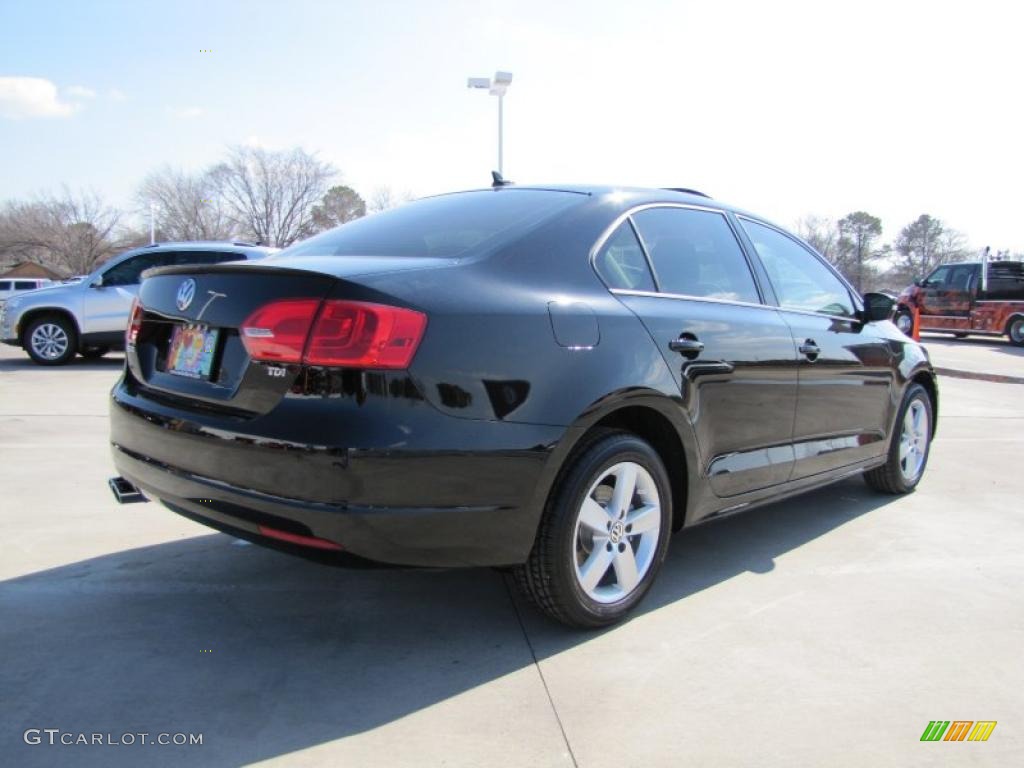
(190, 347)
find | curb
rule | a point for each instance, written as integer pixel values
(996, 378)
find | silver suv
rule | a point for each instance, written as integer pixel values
(89, 316)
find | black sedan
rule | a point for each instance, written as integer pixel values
(552, 379)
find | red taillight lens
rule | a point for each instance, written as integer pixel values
(353, 334)
(134, 323)
(358, 334)
(277, 332)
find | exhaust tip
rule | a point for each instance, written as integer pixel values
(125, 492)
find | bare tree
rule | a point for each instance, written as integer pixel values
(822, 234)
(71, 232)
(187, 206)
(385, 198)
(272, 193)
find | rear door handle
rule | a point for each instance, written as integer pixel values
(810, 350)
(686, 346)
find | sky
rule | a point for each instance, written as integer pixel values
(783, 108)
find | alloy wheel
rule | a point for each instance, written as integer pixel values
(914, 441)
(1017, 331)
(617, 529)
(49, 341)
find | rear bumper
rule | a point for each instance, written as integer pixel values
(437, 505)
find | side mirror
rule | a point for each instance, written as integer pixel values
(97, 283)
(877, 306)
(919, 282)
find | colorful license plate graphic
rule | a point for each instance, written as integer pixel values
(191, 354)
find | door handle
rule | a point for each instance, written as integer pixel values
(810, 350)
(686, 346)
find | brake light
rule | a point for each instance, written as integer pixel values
(134, 323)
(358, 334)
(353, 334)
(277, 332)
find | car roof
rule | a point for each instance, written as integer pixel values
(629, 196)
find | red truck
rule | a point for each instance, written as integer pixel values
(977, 297)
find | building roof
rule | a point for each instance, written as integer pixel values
(28, 269)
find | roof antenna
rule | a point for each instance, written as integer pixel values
(497, 180)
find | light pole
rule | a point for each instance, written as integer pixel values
(152, 223)
(496, 87)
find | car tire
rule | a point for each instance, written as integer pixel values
(51, 340)
(908, 452)
(1015, 330)
(904, 321)
(94, 353)
(591, 564)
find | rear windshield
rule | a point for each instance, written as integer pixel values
(448, 226)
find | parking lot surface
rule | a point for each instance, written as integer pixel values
(825, 630)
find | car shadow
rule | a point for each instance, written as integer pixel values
(110, 362)
(265, 654)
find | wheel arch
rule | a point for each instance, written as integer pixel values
(33, 314)
(1010, 320)
(650, 415)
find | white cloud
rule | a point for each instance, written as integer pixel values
(31, 97)
(116, 94)
(185, 113)
(80, 92)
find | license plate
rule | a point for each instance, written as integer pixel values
(192, 349)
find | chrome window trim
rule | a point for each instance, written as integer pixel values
(607, 233)
(685, 297)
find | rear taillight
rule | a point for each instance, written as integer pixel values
(277, 332)
(357, 334)
(134, 323)
(352, 334)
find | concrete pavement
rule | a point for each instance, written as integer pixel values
(825, 630)
(994, 358)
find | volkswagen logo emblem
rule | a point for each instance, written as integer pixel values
(186, 292)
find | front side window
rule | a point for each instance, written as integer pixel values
(937, 278)
(801, 281)
(621, 262)
(695, 253)
(24, 285)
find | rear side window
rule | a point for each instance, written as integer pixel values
(800, 280)
(448, 226)
(695, 253)
(960, 278)
(24, 285)
(129, 270)
(621, 261)
(5, 285)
